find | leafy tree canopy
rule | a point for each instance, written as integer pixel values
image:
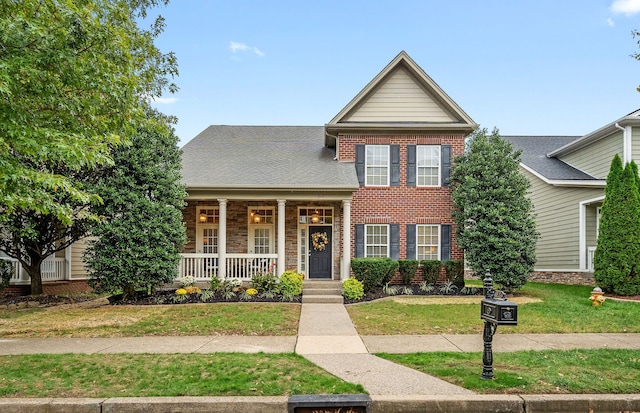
(494, 222)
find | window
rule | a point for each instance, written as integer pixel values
(376, 241)
(261, 230)
(428, 165)
(377, 165)
(428, 242)
(207, 221)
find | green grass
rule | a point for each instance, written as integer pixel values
(268, 319)
(145, 375)
(563, 309)
(534, 372)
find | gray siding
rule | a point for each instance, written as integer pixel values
(595, 159)
(78, 269)
(400, 99)
(635, 144)
(557, 212)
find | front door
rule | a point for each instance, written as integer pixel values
(320, 242)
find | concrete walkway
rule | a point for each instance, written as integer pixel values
(327, 337)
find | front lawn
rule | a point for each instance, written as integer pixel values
(560, 309)
(146, 375)
(534, 372)
(268, 319)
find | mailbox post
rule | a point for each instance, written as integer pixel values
(494, 311)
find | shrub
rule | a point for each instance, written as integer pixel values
(431, 270)
(265, 282)
(407, 270)
(455, 272)
(291, 283)
(216, 284)
(373, 272)
(352, 289)
(6, 272)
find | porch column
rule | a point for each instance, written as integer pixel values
(281, 236)
(222, 239)
(346, 239)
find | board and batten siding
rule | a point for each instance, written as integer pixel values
(557, 211)
(595, 159)
(400, 99)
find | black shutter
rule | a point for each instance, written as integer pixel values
(394, 230)
(360, 158)
(395, 165)
(411, 166)
(411, 242)
(359, 240)
(445, 242)
(445, 163)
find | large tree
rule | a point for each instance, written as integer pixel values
(138, 244)
(617, 256)
(75, 76)
(494, 216)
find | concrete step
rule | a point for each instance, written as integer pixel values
(322, 299)
(321, 284)
(322, 291)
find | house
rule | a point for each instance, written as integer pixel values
(568, 176)
(372, 182)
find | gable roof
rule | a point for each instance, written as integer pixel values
(420, 103)
(264, 158)
(534, 157)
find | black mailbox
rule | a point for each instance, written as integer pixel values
(500, 312)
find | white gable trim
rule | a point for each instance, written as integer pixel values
(597, 183)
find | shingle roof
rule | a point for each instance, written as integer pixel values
(534, 155)
(261, 157)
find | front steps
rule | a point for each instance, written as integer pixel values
(322, 292)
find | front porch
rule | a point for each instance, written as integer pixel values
(239, 238)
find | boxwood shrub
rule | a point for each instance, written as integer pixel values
(455, 272)
(373, 272)
(431, 270)
(407, 270)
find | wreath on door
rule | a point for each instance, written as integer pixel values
(320, 241)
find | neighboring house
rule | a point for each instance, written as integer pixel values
(372, 182)
(567, 176)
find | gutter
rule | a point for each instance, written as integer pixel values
(626, 143)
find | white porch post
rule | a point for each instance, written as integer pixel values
(281, 236)
(222, 239)
(346, 239)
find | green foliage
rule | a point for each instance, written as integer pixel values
(408, 269)
(455, 272)
(290, 284)
(215, 284)
(74, 84)
(373, 272)
(494, 217)
(431, 270)
(139, 242)
(6, 272)
(265, 283)
(352, 289)
(617, 256)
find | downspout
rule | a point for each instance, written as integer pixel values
(626, 144)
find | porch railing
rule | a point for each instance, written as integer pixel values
(52, 269)
(203, 267)
(591, 251)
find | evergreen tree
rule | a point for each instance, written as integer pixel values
(138, 244)
(494, 222)
(617, 256)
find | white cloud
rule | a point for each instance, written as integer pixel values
(237, 47)
(610, 22)
(165, 101)
(626, 7)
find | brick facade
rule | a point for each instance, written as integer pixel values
(401, 204)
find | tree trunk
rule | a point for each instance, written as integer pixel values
(35, 273)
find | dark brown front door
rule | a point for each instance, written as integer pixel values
(320, 242)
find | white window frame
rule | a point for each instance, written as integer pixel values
(367, 245)
(437, 245)
(252, 226)
(381, 152)
(424, 154)
(200, 226)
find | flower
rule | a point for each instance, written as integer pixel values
(193, 290)
(252, 291)
(181, 291)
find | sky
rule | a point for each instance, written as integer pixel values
(526, 67)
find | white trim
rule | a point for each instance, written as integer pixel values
(439, 157)
(306, 226)
(582, 232)
(281, 236)
(559, 270)
(626, 138)
(222, 238)
(566, 182)
(438, 245)
(346, 239)
(388, 238)
(366, 165)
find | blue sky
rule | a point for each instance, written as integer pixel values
(528, 67)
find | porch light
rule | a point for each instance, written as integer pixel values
(257, 218)
(203, 217)
(315, 218)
